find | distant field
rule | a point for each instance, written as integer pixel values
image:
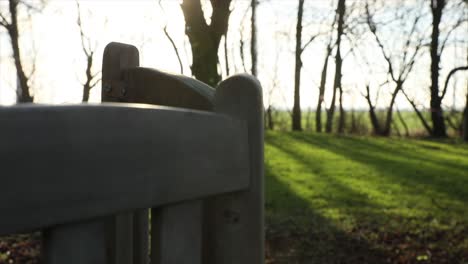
(332, 199)
(282, 120)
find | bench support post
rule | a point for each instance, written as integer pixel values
(235, 232)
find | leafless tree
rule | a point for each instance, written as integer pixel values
(89, 50)
(242, 40)
(171, 40)
(323, 80)
(205, 38)
(341, 10)
(253, 40)
(438, 128)
(398, 76)
(465, 119)
(9, 21)
(296, 113)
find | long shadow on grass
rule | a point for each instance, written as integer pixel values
(337, 195)
(401, 166)
(316, 241)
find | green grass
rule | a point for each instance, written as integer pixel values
(282, 120)
(363, 188)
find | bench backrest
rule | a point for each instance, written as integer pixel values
(196, 172)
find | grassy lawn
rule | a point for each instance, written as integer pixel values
(332, 199)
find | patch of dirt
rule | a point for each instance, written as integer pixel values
(361, 246)
(24, 249)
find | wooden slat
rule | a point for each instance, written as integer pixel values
(235, 232)
(72, 160)
(151, 86)
(75, 243)
(141, 236)
(121, 228)
(176, 235)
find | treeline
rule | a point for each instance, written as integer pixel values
(386, 40)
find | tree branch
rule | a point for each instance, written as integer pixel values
(458, 24)
(309, 41)
(4, 21)
(452, 72)
(406, 47)
(176, 50)
(219, 18)
(419, 114)
(80, 26)
(373, 29)
(168, 36)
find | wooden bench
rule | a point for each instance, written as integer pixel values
(186, 156)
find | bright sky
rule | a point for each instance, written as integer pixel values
(60, 63)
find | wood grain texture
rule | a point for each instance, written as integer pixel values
(76, 168)
(234, 222)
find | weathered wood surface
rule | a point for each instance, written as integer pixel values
(235, 230)
(72, 159)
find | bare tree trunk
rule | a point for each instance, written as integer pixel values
(418, 113)
(373, 117)
(204, 39)
(465, 120)
(87, 85)
(253, 43)
(342, 119)
(388, 121)
(438, 124)
(23, 94)
(341, 9)
(323, 80)
(397, 130)
(241, 41)
(270, 122)
(174, 47)
(89, 51)
(353, 128)
(226, 57)
(402, 120)
(296, 114)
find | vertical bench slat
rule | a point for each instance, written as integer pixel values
(235, 221)
(123, 238)
(127, 232)
(141, 239)
(176, 234)
(77, 243)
